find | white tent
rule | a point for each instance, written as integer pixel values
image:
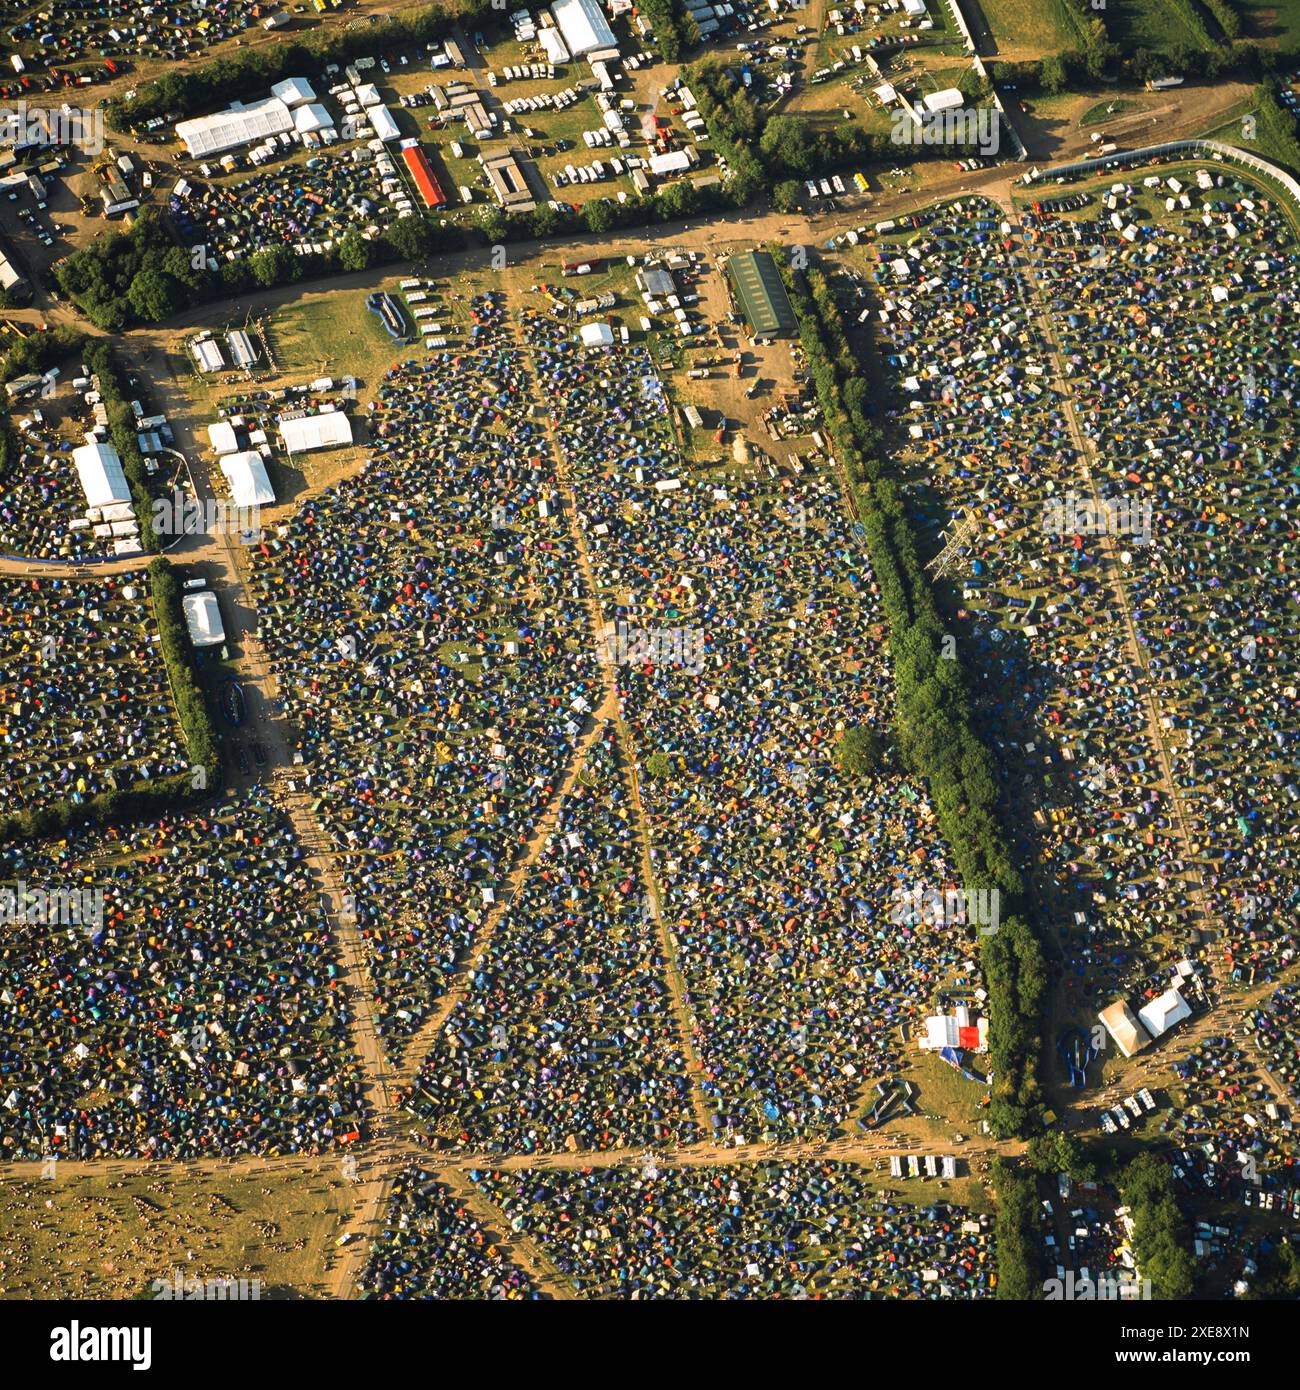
(242, 350)
(246, 474)
(325, 431)
(941, 1030)
(100, 470)
(1128, 1033)
(945, 100)
(294, 91)
(382, 123)
(9, 276)
(552, 42)
(239, 125)
(368, 94)
(599, 335)
(312, 117)
(673, 162)
(584, 26)
(203, 618)
(1161, 1014)
(222, 437)
(207, 353)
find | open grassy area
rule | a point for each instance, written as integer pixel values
(1037, 26)
(334, 335)
(98, 1236)
(824, 106)
(947, 1094)
(831, 45)
(1150, 206)
(1272, 22)
(1149, 24)
(320, 335)
(968, 1192)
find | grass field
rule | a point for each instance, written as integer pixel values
(968, 1192)
(547, 127)
(334, 335)
(946, 1093)
(1276, 24)
(83, 1236)
(1154, 24)
(1038, 26)
(321, 335)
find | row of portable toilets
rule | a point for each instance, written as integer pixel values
(916, 1166)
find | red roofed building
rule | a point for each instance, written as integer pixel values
(425, 179)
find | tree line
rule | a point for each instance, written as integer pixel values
(1103, 61)
(933, 707)
(1162, 1238)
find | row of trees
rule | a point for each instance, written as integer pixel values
(734, 125)
(178, 656)
(1106, 61)
(933, 715)
(38, 352)
(141, 274)
(164, 794)
(1186, 11)
(185, 91)
(1015, 1233)
(1225, 16)
(8, 449)
(1087, 22)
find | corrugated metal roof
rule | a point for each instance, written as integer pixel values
(762, 296)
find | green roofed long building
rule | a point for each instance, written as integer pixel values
(756, 283)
